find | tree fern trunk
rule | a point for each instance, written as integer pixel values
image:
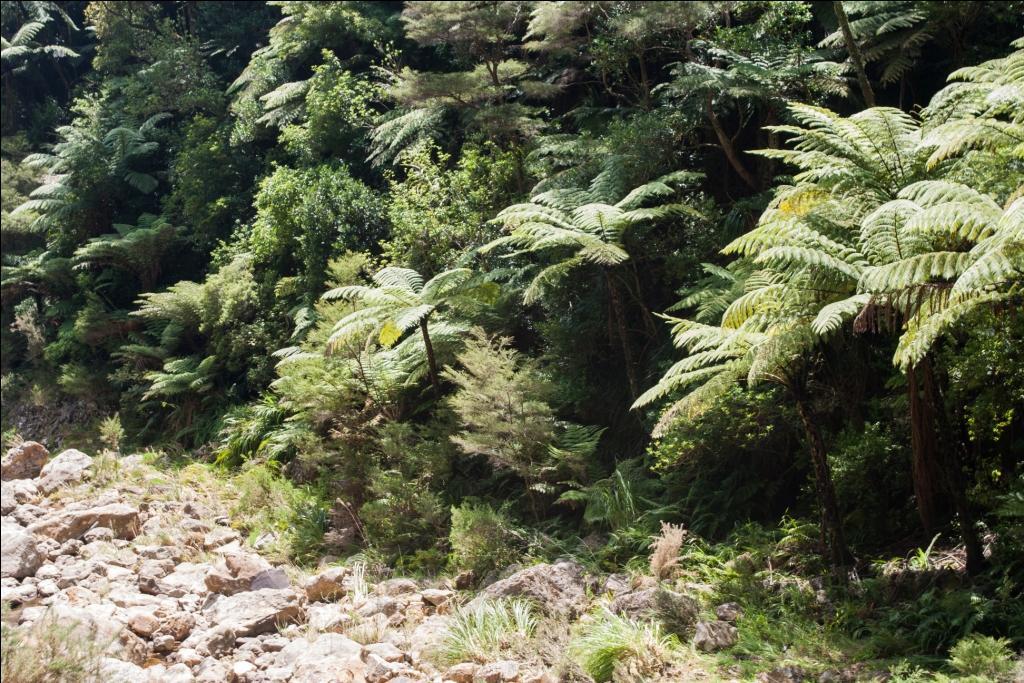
(950, 464)
(855, 55)
(925, 470)
(729, 147)
(831, 522)
(431, 360)
(627, 347)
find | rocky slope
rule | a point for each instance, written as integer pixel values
(155, 580)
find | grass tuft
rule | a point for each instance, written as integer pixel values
(481, 633)
(609, 643)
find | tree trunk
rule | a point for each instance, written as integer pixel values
(831, 523)
(728, 146)
(627, 348)
(855, 55)
(950, 467)
(431, 361)
(925, 469)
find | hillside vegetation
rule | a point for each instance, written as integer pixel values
(722, 300)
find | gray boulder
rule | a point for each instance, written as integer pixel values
(64, 525)
(70, 467)
(23, 461)
(557, 588)
(254, 612)
(712, 636)
(331, 658)
(20, 554)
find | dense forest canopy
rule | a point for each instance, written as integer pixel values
(495, 280)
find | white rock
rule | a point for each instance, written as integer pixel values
(117, 671)
(70, 467)
(331, 658)
(20, 554)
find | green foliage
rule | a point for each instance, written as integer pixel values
(848, 291)
(483, 538)
(608, 645)
(112, 432)
(440, 215)
(295, 517)
(306, 217)
(983, 657)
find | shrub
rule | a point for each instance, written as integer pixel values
(983, 657)
(608, 644)
(482, 538)
(482, 632)
(111, 432)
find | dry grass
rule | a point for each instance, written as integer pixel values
(665, 550)
(50, 651)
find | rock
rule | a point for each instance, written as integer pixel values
(378, 605)
(616, 584)
(71, 547)
(327, 585)
(386, 651)
(275, 578)
(323, 616)
(393, 587)
(7, 501)
(729, 611)
(96, 623)
(677, 611)
(220, 536)
(241, 672)
(557, 588)
(177, 625)
(331, 658)
(211, 671)
(17, 492)
(70, 467)
(117, 671)
(179, 673)
(436, 597)
(164, 643)
(150, 573)
(429, 634)
(497, 672)
(218, 640)
(462, 673)
(24, 461)
(273, 643)
(712, 636)
(465, 580)
(188, 578)
(20, 555)
(254, 612)
(379, 670)
(99, 533)
(782, 674)
(19, 594)
(236, 572)
(63, 525)
(188, 657)
(142, 622)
